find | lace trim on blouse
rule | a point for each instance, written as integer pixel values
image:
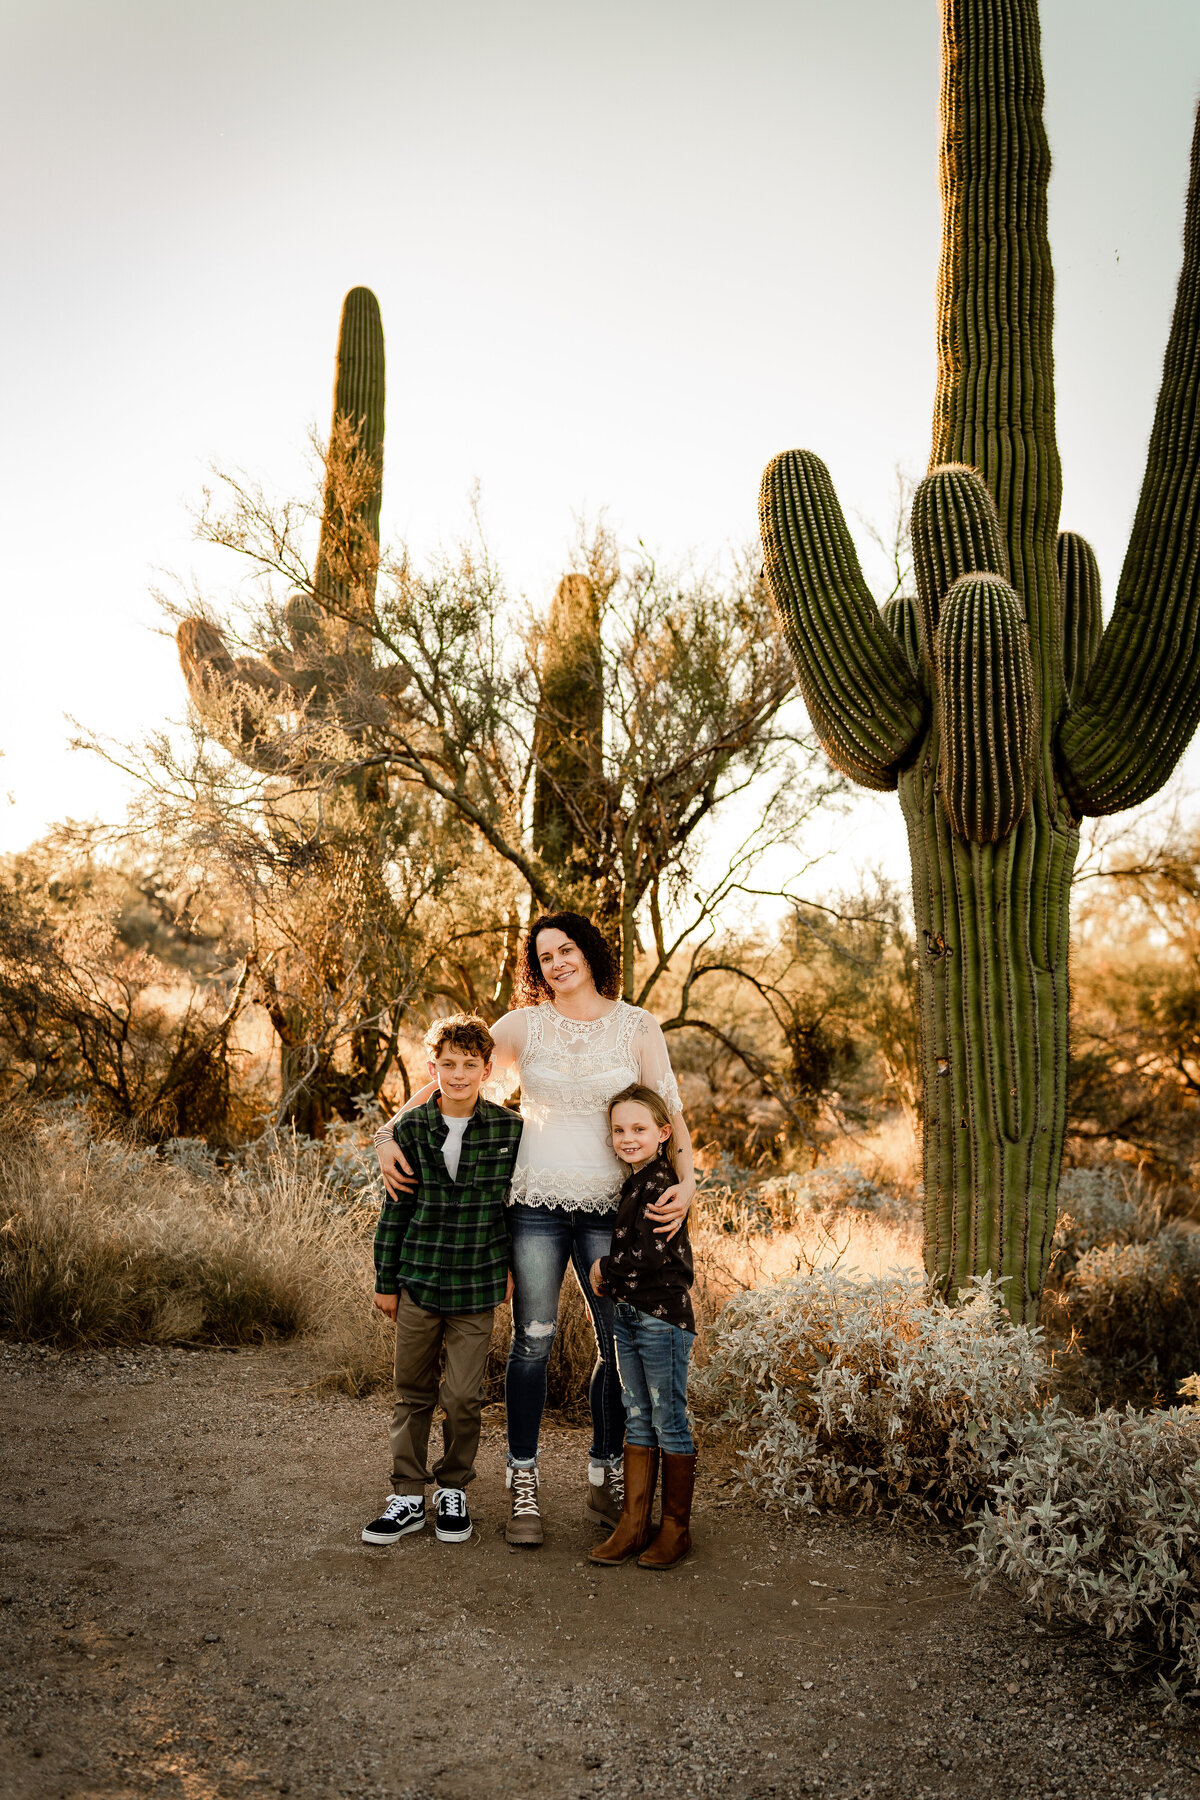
(569, 1070)
(571, 1189)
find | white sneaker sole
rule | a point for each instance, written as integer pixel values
(453, 1537)
(377, 1537)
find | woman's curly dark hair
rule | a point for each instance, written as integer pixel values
(532, 986)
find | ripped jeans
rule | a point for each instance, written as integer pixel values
(544, 1240)
(653, 1355)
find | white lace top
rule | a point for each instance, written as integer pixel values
(569, 1070)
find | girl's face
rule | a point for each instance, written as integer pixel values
(562, 963)
(635, 1135)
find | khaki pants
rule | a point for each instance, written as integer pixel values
(463, 1339)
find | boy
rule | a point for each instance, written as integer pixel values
(441, 1269)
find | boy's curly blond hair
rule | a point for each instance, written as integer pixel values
(465, 1032)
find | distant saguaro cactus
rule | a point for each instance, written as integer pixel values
(993, 703)
(328, 670)
(300, 714)
(568, 735)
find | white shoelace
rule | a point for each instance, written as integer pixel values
(452, 1501)
(399, 1504)
(616, 1481)
(524, 1491)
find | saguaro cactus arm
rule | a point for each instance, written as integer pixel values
(987, 708)
(1141, 702)
(1083, 621)
(955, 532)
(900, 616)
(864, 701)
(234, 695)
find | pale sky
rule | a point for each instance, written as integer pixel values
(624, 254)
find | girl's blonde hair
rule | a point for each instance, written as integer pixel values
(656, 1106)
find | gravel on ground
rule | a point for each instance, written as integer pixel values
(186, 1611)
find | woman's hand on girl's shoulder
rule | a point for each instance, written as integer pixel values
(672, 1208)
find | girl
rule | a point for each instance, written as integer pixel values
(571, 1044)
(648, 1277)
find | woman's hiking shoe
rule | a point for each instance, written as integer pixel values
(605, 1493)
(453, 1522)
(524, 1517)
(402, 1514)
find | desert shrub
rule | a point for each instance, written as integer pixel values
(1098, 1520)
(1097, 1207)
(1137, 1305)
(103, 1241)
(869, 1394)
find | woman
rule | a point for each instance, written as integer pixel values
(572, 1044)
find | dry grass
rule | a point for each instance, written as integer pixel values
(732, 1257)
(106, 1242)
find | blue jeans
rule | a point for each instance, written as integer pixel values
(652, 1355)
(544, 1240)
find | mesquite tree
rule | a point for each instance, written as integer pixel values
(993, 702)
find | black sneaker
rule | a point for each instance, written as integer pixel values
(453, 1524)
(402, 1514)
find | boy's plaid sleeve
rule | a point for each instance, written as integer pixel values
(395, 1216)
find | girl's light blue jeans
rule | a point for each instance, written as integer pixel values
(652, 1355)
(544, 1240)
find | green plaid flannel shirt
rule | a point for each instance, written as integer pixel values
(447, 1244)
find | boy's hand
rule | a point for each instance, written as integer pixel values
(508, 1288)
(594, 1276)
(387, 1304)
(398, 1178)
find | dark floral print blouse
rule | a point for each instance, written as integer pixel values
(652, 1273)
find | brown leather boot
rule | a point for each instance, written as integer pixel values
(674, 1539)
(633, 1527)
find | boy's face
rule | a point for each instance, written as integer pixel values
(459, 1074)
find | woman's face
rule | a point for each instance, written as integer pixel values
(563, 964)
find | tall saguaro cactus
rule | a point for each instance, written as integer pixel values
(292, 714)
(568, 736)
(993, 703)
(327, 671)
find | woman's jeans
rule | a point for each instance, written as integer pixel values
(653, 1358)
(544, 1240)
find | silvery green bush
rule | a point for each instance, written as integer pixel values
(1097, 1207)
(1136, 1307)
(870, 1395)
(1098, 1520)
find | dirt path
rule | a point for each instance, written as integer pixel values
(187, 1611)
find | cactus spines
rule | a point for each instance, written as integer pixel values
(859, 690)
(1083, 621)
(1026, 724)
(899, 614)
(954, 532)
(986, 708)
